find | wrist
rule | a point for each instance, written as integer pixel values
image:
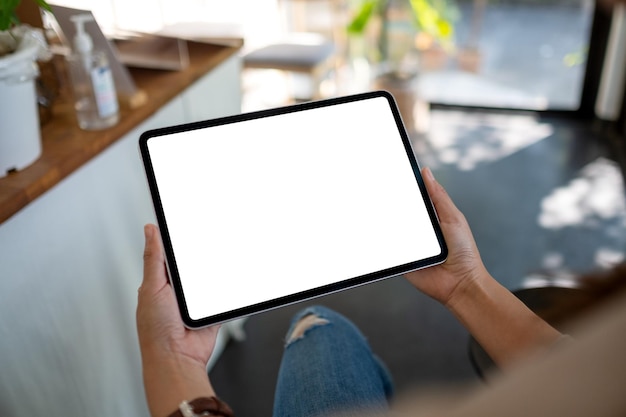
(171, 379)
(504, 326)
(469, 289)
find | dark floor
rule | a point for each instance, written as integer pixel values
(540, 195)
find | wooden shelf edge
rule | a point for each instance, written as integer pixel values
(66, 148)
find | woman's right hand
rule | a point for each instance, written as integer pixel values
(463, 266)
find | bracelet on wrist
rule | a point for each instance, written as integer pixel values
(203, 406)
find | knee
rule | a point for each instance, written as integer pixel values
(308, 319)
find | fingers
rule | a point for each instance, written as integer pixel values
(154, 273)
(455, 228)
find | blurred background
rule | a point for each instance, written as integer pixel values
(516, 105)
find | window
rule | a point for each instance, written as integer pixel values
(518, 54)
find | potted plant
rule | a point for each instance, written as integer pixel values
(431, 20)
(409, 35)
(20, 47)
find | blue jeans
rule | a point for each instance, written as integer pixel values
(329, 368)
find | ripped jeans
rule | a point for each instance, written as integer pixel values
(329, 368)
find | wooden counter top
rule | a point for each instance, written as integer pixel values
(66, 147)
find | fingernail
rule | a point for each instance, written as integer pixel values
(429, 174)
(147, 231)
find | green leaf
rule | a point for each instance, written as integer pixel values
(5, 21)
(431, 19)
(7, 13)
(576, 58)
(445, 29)
(362, 17)
(8, 18)
(44, 5)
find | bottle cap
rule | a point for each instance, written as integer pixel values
(82, 41)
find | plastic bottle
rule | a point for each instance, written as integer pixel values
(95, 99)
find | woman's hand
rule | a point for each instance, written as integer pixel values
(159, 324)
(499, 321)
(174, 358)
(463, 266)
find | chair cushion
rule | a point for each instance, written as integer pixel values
(305, 56)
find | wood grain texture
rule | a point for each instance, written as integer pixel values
(66, 147)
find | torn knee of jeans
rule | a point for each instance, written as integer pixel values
(306, 323)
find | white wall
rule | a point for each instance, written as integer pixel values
(70, 266)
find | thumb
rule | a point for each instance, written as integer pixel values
(154, 272)
(446, 210)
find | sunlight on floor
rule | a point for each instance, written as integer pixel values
(467, 141)
(597, 194)
(465, 89)
(595, 198)
(558, 278)
(556, 274)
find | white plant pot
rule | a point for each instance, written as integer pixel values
(20, 136)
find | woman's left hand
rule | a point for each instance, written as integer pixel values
(159, 324)
(173, 357)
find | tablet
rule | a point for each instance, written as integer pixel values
(264, 209)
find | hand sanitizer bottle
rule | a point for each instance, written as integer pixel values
(95, 99)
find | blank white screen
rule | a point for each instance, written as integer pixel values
(269, 207)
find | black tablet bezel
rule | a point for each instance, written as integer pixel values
(307, 294)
